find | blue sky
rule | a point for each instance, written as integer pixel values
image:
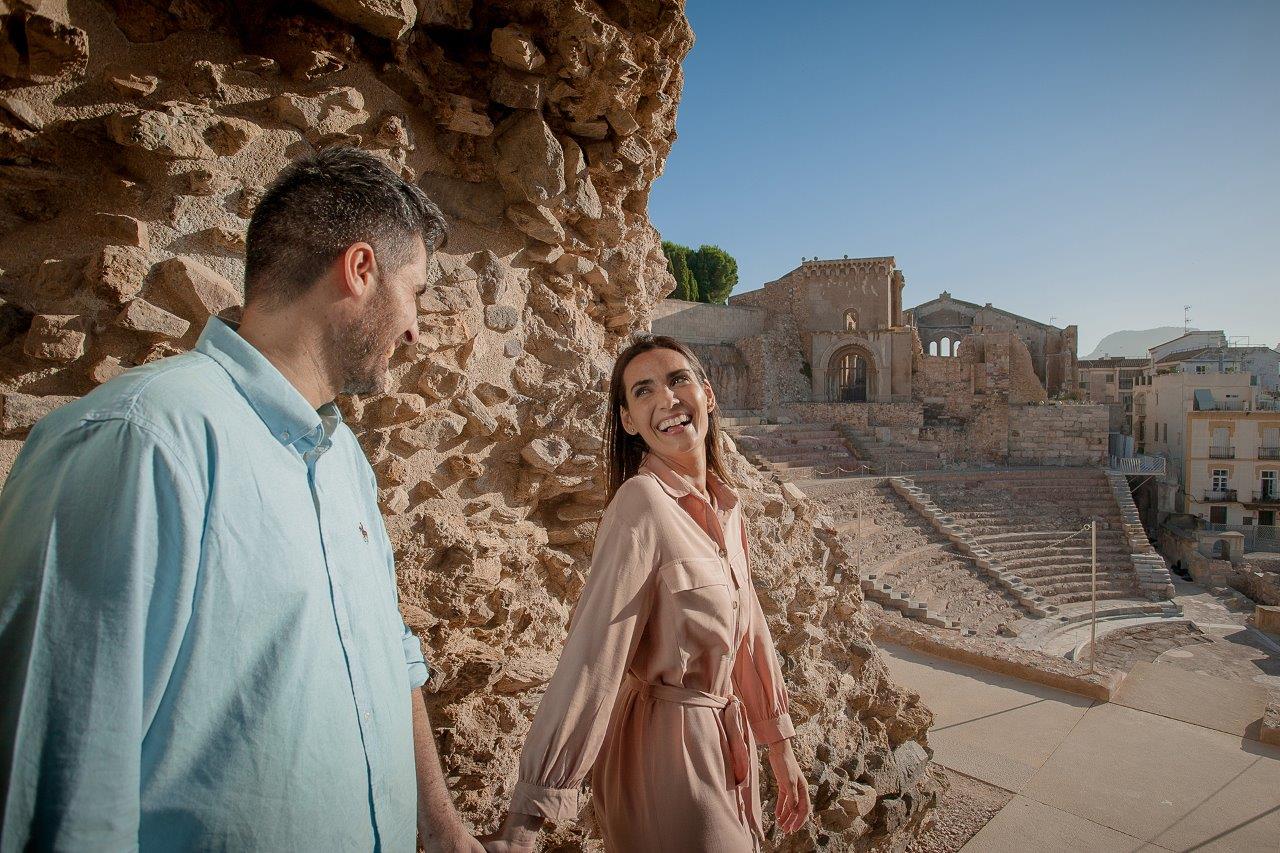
(1100, 163)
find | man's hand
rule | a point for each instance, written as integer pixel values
(516, 835)
(792, 808)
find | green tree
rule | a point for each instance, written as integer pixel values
(678, 265)
(715, 271)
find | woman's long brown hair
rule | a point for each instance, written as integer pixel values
(624, 452)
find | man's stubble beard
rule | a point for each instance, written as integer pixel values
(357, 350)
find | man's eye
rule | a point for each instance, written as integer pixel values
(641, 392)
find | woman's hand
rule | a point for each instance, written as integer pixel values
(793, 807)
(516, 835)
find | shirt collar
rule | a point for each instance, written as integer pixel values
(679, 486)
(280, 405)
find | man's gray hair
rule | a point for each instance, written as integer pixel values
(319, 206)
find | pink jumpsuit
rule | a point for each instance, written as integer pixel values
(667, 680)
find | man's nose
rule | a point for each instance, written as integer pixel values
(410, 335)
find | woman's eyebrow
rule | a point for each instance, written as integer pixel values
(643, 383)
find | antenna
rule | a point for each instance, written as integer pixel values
(1186, 319)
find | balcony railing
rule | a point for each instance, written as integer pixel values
(1269, 452)
(1222, 453)
(1139, 464)
(1267, 496)
(1219, 496)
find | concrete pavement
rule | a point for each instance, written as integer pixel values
(1170, 764)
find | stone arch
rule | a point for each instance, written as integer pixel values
(851, 375)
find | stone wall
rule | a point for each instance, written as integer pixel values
(698, 322)
(1057, 435)
(134, 142)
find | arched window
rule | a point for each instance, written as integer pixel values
(933, 347)
(851, 320)
(946, 347)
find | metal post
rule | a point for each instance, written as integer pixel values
(1093, 594)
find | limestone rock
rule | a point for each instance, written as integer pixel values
(133, 85)
(538, 222)
(588, 129)
(118, 272)
(501, 318)
(387, 18)
(19, 412)
(141, 316)
(124, 230)
(530, 160)
(479, 420)
(446, 13)
(55, 338)
(21, 111)
(622, 122)
(516, 90)
(513, 48)
(105, 369)
(37, 48)
(198, 291)
(180, 131)
(395, 409)
(547, 454)
(335, 110)
(465, 115)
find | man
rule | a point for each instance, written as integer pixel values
(200, 646)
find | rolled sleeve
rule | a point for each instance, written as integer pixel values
(773, 729)
(419, 672)
(557, 805)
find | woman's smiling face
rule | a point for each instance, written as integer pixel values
(666, 404)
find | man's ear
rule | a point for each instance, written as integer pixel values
(356, 270)
(627, 423)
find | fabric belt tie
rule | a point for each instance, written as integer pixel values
(734, 730)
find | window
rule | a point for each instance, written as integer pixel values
(1220, 479)
(851, 320)
(1200, 368)
(1217, 515)
(1270, 488)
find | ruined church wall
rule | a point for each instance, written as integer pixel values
(135, 140)
(1058, 435)
(698, 322)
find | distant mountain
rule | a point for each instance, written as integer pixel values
(1134, 343)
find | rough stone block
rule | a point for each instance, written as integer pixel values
(55, 338)
(1267, 618)
(21, 411)
(141, 316)
(118, 272)
(198, 291)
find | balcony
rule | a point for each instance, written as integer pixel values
(1266, 497)
(1269, 452)
(1220, 496)
(1222, 453)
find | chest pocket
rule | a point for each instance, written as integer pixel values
(702, 598)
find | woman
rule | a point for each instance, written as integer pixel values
(668, 677)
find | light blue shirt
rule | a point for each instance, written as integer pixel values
(200, 646)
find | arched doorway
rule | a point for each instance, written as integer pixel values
(851, 376)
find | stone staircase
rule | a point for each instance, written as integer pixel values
(889, 452)
(795, 451)
(1020, 524)
(1152, 569)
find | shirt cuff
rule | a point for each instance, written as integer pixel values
(773, 729)
(418, 671)
(558, 805)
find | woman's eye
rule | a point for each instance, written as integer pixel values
(679, 379)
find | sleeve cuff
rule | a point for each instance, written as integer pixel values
(773, 729)
(418, 671)
(558, 805)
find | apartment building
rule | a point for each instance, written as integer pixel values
(1221, 437)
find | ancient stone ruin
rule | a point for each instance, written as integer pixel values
(135, 138)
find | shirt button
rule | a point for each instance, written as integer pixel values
(724, 553)
(735, 605)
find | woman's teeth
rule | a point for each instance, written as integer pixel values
(674, 424)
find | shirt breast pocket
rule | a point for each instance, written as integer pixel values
(702, 595)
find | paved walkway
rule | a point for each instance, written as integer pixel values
(1171, 764)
